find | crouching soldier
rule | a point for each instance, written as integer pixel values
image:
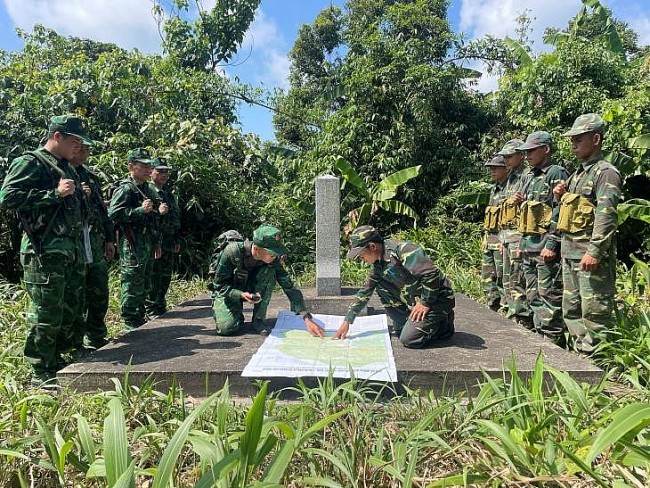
(416, 294)
(247, 271)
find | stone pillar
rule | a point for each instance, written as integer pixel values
(328, 231)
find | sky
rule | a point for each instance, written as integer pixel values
(262, 59)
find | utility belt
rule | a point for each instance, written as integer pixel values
(577, 213)
(491, 222)
(239, 278)
(509, 213)
(534, 217)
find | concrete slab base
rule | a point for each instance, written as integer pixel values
(181, 348)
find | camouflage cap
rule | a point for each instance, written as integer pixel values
(70, 124)
(270, 238)
(586, 123)
(536, 139)
(510, 147)
(496, 161)
(140, 155)
(360, 238)
(160, 164)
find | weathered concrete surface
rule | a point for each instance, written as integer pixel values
(181, 346)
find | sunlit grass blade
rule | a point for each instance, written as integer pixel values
(116, 446)
(86, 438)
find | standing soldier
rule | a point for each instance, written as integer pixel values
(540, 243)
(170, 223)
(41, 186)
(514, 282)
(492, 265)
(135, 211)
(588, 223)
(92, 321)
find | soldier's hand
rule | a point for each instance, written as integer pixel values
(559, 190)
(157, 252)
(65, 187)
(588, 263)
(548, 256)
(86, 189)
(519, 197)
(343, 330)
(250, 297)
(109, 251)
(163, 208)
(147, 206)
(176, 249)
(418, 312)
(314, 329)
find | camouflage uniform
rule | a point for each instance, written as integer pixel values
(138, 239)
(588, 301)
(492, 262)
(237, 271)
(52, 272)
(170, 224)
(514, 282)
(543, 278)
(403, 276)
(96, 279)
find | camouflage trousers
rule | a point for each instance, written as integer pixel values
(55, 290)
(156, 303)
(492, 277)
(544, 294)
(588, 301)
(438, 323)
(136, 263)
(228, 313)
(96, 301)
(514, 282)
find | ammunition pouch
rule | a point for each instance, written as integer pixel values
(535, 217)
(576, 213)
(509, 215)
(491, 222)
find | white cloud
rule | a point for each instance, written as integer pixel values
(127, 23)
(268, 62)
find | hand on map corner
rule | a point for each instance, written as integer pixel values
(314, 329)
(342, 333)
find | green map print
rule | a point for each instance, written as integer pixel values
(359, 351)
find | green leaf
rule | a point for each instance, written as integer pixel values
(523, 57)
(86, 438)
(635, 208)
(639, 142)
(399, 208)
(627, 419)
(170, 456)
(351, 176)
(117, 457)
(397, 179)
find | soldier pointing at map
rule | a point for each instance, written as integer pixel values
(417, 295)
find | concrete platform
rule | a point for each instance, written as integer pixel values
(181, 347)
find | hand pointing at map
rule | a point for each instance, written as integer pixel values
(313, 328)
(342, 333)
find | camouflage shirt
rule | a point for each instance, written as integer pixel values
(126, 209)
(513, 185)
(170, 223)
(408, 274)
(600, 182)
(236, 262)
(30, 187)
(497, 196)
(101, 226)
(537, 186)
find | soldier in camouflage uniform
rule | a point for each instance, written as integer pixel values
(514, 282)
(540, 243)
(170, 223)
(248, 271)
(135, 211)
(416, 294)
(588, 222)
(42, 187)
(492, 263)
(91, 322)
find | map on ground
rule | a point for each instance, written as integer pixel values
(290, 351)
